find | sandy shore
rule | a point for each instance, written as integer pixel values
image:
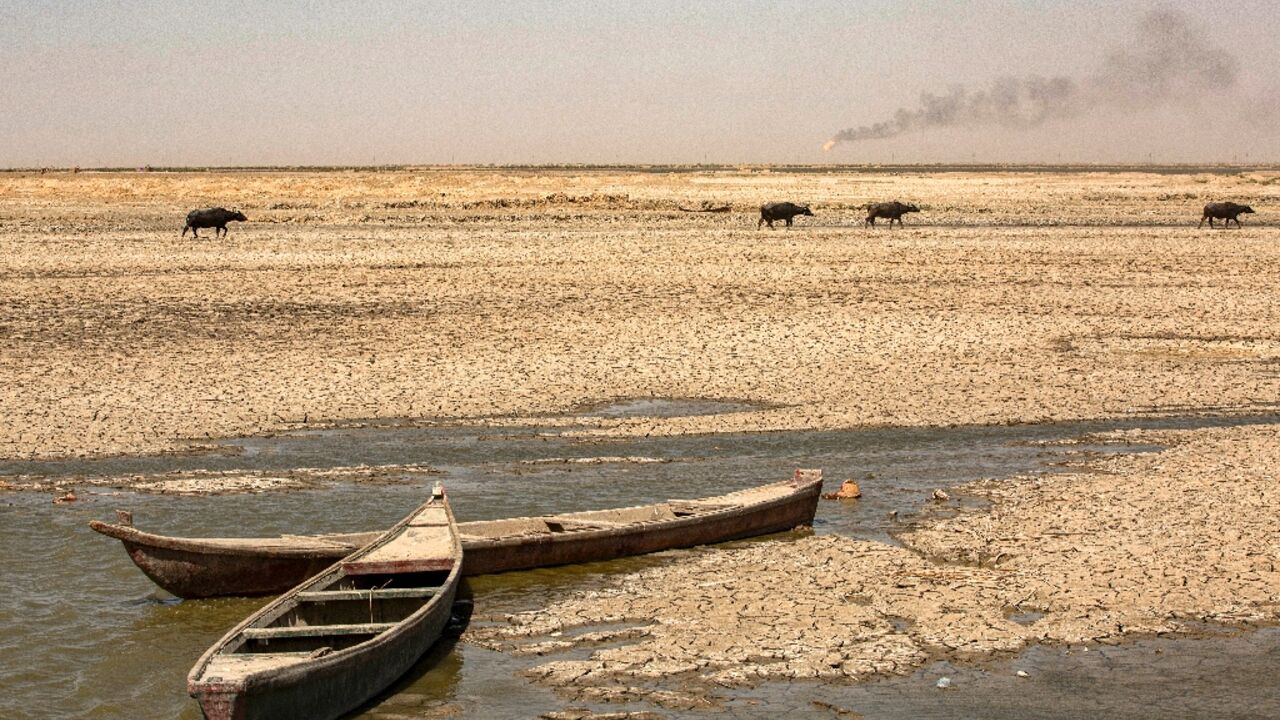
(1013, 297)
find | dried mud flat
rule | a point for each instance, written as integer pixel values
(490, 295)
(221, 482)
(1139, 545)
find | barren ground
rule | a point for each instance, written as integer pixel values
(1011, 297)
(486, 295)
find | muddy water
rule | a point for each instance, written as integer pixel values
(1228, 676)
(86, 635)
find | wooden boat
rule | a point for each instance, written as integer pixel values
(212, 567)
(329, 645)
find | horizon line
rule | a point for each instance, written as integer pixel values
(652, 167)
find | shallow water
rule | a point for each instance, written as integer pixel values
(89, 636)
(1226, 677)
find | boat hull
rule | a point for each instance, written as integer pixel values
(330, 690)
(201, 568)
(302, 657)
(485, 557)
(194, 574)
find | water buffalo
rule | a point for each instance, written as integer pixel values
(892, 210)
(216, 218)
(1227, 211)
(781, 211)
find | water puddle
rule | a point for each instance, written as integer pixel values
(97, 641)
(1026, 617)
(667, 407)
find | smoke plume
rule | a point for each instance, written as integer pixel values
(1166, 62)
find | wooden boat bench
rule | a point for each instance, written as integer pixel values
(273, 633)
(372, 594)
(239, 664)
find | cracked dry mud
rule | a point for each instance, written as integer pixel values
(1139, 544)
(492, 295)
(223, 482)
(502, 293)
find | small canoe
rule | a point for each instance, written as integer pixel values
(213, 567)
(334, 642)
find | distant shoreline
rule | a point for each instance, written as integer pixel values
(826, 168)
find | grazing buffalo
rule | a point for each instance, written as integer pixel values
(892, 210)
(781, 211)
(1226, 211)
(216, 218)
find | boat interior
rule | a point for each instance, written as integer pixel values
(368, 594)
(346, 612)
(588, 520)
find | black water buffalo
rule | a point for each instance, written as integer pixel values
(892, 210)
(1227, 211)
(781, 211)
(216, 218)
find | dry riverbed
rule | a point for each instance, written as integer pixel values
(219, 482)
(490, 296)
(1013, 297)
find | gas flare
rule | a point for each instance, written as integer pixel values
(826, 146)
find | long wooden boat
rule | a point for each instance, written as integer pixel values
(212, 567)
(329, 645)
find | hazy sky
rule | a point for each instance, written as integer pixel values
(132, 82)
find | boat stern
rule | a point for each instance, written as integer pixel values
(219, 700)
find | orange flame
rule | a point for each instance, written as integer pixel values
(826, 146)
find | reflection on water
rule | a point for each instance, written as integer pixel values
(87, 635)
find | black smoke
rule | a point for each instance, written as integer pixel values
(1166, 62)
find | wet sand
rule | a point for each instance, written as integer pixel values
(489, 296)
